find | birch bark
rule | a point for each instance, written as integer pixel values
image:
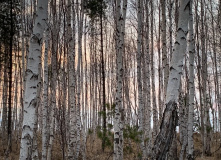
(118, 118)
(80, 17)
(191, 87)
(154, 105)
(30, 103)
(169, 120)
(146, 86)
(164, 47)
(139, 57)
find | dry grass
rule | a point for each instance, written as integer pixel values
(94, 150)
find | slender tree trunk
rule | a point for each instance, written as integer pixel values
(154, 105)
(139, 58)
(146, 85)
(71, 80)
(4, 101)
(45, 98)
(206, 121)
(164, 47)
(118, 118)
(54, 67)
(80, 18)
(103, 78)
(191, 87)
(9, 148)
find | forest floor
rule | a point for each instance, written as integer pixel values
(94, 150)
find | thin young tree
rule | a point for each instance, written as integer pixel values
(118, 117)
(191, 87)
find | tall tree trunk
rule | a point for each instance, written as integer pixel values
(154, 105)
(103, 78)
(169, 121)
(139, 80)
(191, 87)
(30, 103)
(9, 147)
(118, 118)
(4, 101)
(54, 67)
(45, 98)
(146, 85)
(164, 47)
(206, 121)
(80, 17)
(71, 80)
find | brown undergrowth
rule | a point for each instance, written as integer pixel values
(94, 149)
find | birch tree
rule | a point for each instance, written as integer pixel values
(191, 87)
(146, 84)
(154, 105)
(169, 121)
(118, 117)
(32, 82)
(139, 80)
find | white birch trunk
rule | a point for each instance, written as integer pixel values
(190, 147)
(164, 47)
(79, 67)
(169, 120)
(30, 103)
(118, 118)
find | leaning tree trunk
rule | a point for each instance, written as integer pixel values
(32, 81)
(169, 120)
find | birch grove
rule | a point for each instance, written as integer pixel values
(99, 79)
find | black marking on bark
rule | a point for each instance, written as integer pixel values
(33, 103)
(177, 43)
(187, 5)
(172, 68)
(34, 77)
(117, 140)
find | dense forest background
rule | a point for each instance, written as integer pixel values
(110, 79)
